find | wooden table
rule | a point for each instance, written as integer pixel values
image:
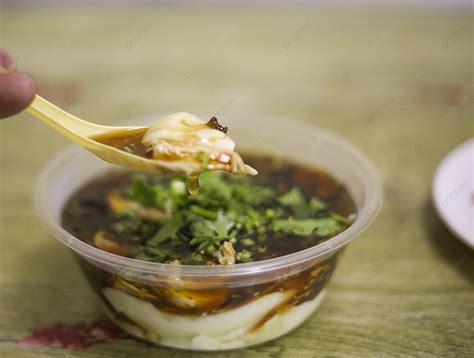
(397, 83)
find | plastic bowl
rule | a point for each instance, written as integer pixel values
(272, 306)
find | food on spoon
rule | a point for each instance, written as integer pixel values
(183, 144)
(189, 146)
(234, 220)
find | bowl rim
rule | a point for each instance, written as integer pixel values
(365, 215)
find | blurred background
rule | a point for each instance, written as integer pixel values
(394, 78)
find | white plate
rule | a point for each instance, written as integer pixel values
(453, 191)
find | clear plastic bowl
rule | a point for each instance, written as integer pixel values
(273, 304)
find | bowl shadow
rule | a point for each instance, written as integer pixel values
(449, 247)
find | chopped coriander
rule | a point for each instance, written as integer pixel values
(141, 191)
(295, 200)
(342, 219)
(295, 227)
(204, 158)
(208, 214)
(194, 259)
(321, 227)
(168, 230)
(316, 205)
(257, 219)
(244, 256)
(211, 249)
(327, 226)
(222, 226)
(227, 209)
(248, 242)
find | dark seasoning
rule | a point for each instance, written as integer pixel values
(214, 124)
(88, 211)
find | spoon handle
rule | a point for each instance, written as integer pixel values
(65, 123)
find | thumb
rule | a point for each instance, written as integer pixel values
(17, 90)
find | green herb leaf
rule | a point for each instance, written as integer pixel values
(296, 202)
(221, 226)
(327, 227)
(248, 242)
(321, 227)
(141, 191)
(342, 219)
(316, 205)
(204, 158)
(168, 231)
(208, 214)
(295, 227)
(194, 259)
(244, 256)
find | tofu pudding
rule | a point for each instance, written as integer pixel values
(267, 311)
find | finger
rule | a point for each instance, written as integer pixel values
(7, 62)
(17, 91)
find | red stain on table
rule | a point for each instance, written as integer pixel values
(77, 337)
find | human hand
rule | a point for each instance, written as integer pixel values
(17, 90)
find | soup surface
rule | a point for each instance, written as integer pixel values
(285, 209)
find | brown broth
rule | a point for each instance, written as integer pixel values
(126, 139)
(193, 184)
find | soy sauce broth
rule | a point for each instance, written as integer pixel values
(128, 141)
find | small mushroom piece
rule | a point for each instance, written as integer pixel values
(102, 242)
(119, 205)
(226, 254)
(133, 289)
(200, 300)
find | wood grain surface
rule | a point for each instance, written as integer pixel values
(395, 82)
